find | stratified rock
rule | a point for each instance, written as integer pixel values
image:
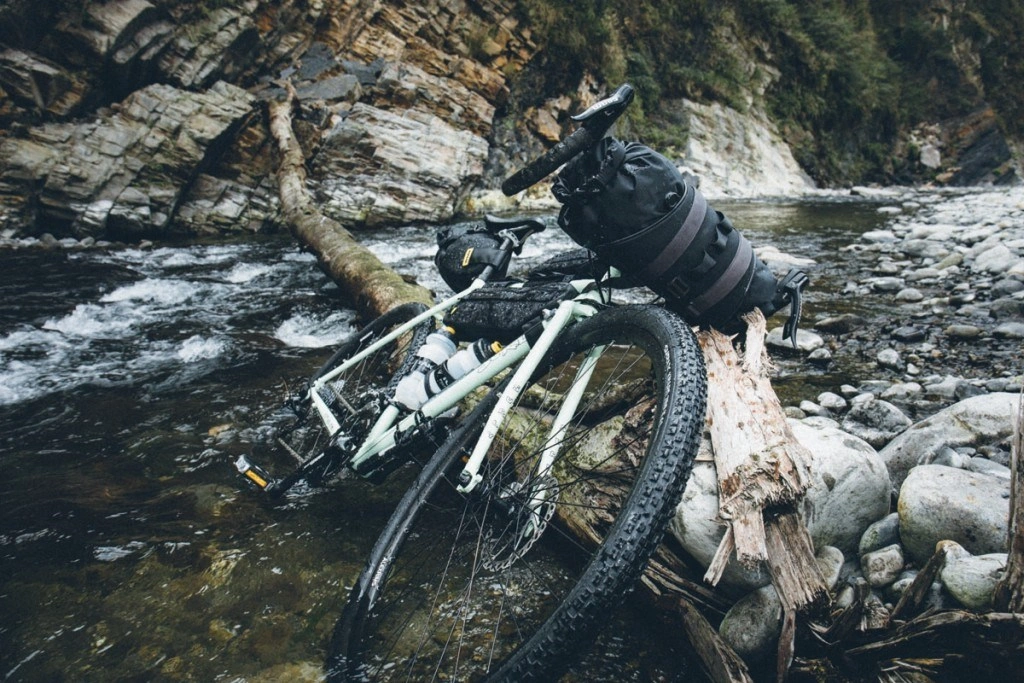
(940, 503)
(122, 175)
(383, 167)
(976, 421)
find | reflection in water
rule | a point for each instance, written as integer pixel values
(129, 382)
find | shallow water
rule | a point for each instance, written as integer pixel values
(129, 382)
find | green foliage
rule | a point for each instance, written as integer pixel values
(854, 75)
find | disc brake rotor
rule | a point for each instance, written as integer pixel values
(531, 508)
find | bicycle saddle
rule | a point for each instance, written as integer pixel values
(519, 228)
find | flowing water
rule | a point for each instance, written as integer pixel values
(130, 380)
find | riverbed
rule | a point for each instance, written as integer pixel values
(131, 380)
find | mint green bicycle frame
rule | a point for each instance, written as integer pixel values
(383, 434)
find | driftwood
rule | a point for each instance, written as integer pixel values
(372, 286)
(1010, 589)
(762, 470)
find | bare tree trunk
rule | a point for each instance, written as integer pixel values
(373, 287)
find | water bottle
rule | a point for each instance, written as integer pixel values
(460, 365)
(411, 391)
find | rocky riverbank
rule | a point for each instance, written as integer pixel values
(916, 457)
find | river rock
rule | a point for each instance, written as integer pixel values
(841, 324)
(850, 485)
(875, 421)
(996, 259)
(806, 341)
(939, 503)
(884, 532)
(849, 490)
(975, 421)
(971, 579)
(883, 566)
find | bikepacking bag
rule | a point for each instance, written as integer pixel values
(463, 251)
(501, 311)
(631, 206)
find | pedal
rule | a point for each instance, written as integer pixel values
(256, 475)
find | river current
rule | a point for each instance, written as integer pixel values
(130, 379)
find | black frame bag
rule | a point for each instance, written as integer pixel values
(632, 207)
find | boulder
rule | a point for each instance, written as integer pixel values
(976, 421)
(939, 503)
(848, 492)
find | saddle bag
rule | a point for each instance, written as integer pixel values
(632, 207)
(501, 311)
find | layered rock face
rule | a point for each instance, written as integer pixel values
(142, 118)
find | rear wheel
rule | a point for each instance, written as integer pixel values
(503, 582)
(356, 396)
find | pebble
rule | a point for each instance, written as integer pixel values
(959, 331)
(883, 533)
(889, 358)
(883, 566)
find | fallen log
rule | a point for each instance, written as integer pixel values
(372, 286)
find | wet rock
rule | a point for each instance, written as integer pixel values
(972, 422)
(939, 503)
(889, 358)
(883, 566)
(806, 340)
(971, 579)
(820, 356)
(832, 402)
(1009, 330)
(908, 334)
(885, 532)
(950, 458)
(886, 284)
(902, 391)
(876, 421)
(841, 324)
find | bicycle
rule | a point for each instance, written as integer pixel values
(562, 456)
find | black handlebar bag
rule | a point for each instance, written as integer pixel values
(631, 206)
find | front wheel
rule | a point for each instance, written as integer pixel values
(503, 583)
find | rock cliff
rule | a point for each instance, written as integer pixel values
(145, 118)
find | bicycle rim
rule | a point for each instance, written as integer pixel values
(357, 395)
(459, 588)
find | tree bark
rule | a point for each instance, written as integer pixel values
(372, 286)
(1010, 589)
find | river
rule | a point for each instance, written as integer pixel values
(130, 380)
